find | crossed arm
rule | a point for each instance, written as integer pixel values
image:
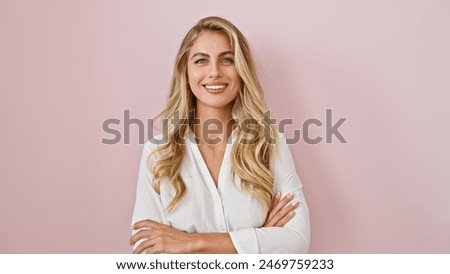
(160, 238)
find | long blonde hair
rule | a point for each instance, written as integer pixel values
(252, 156)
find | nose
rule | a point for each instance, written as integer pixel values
(215, 70)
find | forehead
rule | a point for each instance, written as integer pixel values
(211, 43)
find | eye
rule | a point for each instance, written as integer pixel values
(200, 61)
(228, 61)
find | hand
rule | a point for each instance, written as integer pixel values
(159, 238)
(279, 213)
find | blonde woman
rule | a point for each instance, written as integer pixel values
(220, 179)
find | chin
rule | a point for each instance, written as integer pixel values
(215, 104)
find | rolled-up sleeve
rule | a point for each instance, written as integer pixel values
(294, 237)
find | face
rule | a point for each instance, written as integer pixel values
(211, 71)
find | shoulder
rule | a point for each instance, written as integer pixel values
(154, 142)
(152, 145)
(158, 143)
(148, 156)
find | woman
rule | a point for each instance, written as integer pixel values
(213, 181)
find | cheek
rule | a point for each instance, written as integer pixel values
(233, 75)
(193, 81)
(193, 75)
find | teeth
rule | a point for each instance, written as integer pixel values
(215, 86)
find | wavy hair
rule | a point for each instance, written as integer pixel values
(252, 154)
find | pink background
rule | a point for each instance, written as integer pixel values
(66, 66)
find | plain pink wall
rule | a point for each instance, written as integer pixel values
(66, 66)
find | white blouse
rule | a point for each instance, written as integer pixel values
(206, 208)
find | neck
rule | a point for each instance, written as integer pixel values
(213, 126)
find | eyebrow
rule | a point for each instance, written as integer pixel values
(207, 55)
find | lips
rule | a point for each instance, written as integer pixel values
(215, 88)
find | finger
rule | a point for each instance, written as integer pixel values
(144, 223)
(282, 203)
(277, 207)
(142, 246)
(283, 212)
(269, 223)
(143, 233)
(147, 244)
(285, 219)
(276, 199)
(279, 204)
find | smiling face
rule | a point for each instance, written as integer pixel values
(212, 75)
